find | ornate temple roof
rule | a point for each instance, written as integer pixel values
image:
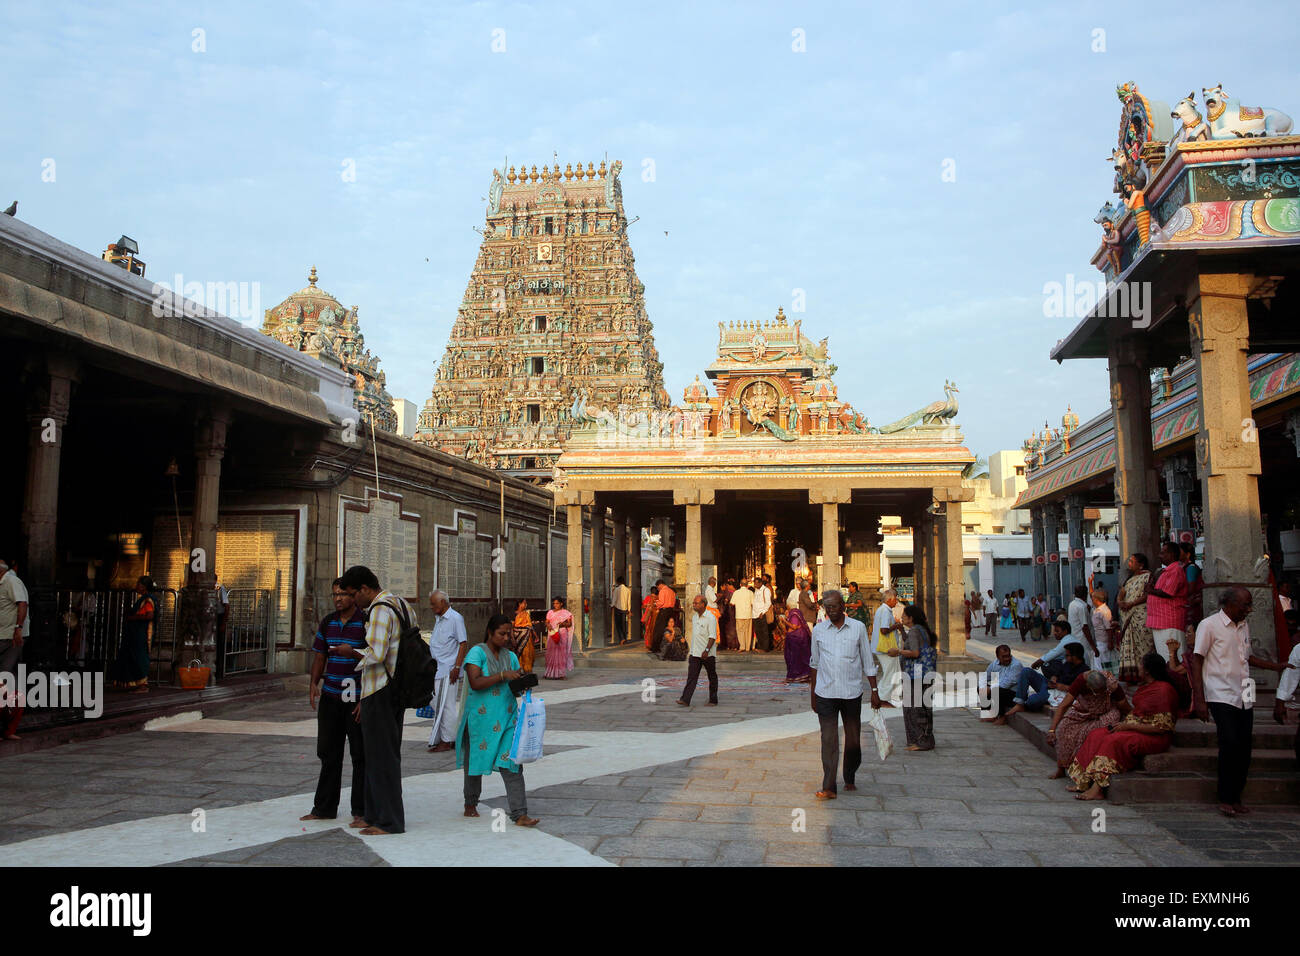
(775, 414)
(314, 322)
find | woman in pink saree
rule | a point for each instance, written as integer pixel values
(798, 648)
(559, 641)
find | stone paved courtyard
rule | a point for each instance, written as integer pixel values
(626, 780)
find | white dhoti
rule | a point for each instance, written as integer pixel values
(889, 682)
(446, 711)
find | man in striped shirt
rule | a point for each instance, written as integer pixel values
(841, 656)
(381, 716)
(337, 718)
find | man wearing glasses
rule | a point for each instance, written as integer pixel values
(334, 683)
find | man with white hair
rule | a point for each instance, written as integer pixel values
(14, 625)
(885, 626)
(448, 645)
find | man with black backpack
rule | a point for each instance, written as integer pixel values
(390, 682)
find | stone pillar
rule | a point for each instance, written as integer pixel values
(50, 388)
(1052, 542)
(573, 554)
(620, 562)
(950, 626)
(599, 577)
(1227, 446)
(922, 562)
(634, 574)
(1137, 492)
(1180, 478)
(199, 618)
(692, 502)
(935, 572)
(1040, 570)
(830, 545)
(693, 550)
(830, 498)
(1074, 528)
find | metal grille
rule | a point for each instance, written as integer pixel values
(249, 632)
(90, 623)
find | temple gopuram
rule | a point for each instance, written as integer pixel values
(768, 473)
(1197, 322)
(553, 313)
(312, 321)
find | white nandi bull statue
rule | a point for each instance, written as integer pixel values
(1229, 119)
(1194, 126)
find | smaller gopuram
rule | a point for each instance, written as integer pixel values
(312, 321)
(770, 472)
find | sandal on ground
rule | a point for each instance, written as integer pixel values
(527, 821)
(825, 794)
(471, 811)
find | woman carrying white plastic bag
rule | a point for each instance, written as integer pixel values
(487, 726)
(530, 726)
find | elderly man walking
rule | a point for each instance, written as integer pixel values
(841, 657)
(448, 646)
(702, 635)
(1222, 688)
(884, 628)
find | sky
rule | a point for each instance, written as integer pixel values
(913, 174)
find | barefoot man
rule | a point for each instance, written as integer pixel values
(448, 646)
(337, 719)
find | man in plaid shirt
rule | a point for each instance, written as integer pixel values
(1167, 601)
(381, 717)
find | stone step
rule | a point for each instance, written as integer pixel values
(1187, 772)
(1206, 760)
(1266, 735)
(1262, 788)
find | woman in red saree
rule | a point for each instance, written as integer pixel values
(648, 617)
(1148, 729)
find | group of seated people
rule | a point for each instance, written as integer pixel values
(1096, 728)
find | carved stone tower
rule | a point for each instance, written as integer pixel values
(553, 315)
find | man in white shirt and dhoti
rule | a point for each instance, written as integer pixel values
(885, 625)
(448, 646)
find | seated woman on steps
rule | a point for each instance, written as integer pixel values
(1094, 700)
(1148, 729)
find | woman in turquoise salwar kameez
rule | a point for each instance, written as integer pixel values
(487, 726)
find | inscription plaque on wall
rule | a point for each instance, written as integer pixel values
(464, 560)
(255, 550)
(378, 534)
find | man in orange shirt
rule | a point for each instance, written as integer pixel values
(663, 611)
